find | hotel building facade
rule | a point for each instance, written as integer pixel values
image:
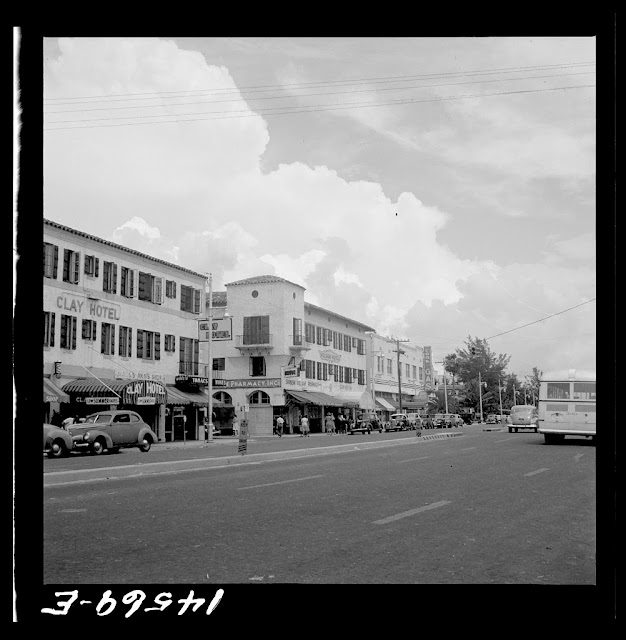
(121, 330)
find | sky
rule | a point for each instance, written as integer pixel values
(432, 188)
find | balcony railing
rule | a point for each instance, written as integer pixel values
(255, 340)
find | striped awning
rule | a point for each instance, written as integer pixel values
(91, 386)
(322, 399)
(385, 405)
(52, 393)
(178, 397)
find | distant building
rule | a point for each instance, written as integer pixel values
(391, 387)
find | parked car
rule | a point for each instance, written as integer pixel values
(366, 423)
(440, 420)
(398, 422)
(57, 442)
(112, 430)
(492, 418)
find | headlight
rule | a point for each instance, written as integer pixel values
(86, 436)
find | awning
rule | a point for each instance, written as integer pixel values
(91, 386)
(385, 405)
(316, 397)
(52, 393)
(139, 392)
(176, 396)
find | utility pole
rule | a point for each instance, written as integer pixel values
(480, 394)
(500, 392)
(209, 434)
(399, 351)
(445, 388)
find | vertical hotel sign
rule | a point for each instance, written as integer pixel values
(428, 369)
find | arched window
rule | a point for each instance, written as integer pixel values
(259, 397)
(224, 397)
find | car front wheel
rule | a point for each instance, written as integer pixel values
(145, 445)
(58, 449)
(97, 447)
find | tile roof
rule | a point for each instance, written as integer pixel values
(62, 227)
(263, 280)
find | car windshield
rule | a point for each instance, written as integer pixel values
(522, 411)
(98, 418)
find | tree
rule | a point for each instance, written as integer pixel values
(532, 384)
(477, 358)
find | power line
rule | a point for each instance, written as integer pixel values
(309, 95)
(330, 83)
(305, 109)
(542, 319)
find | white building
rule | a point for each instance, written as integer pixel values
(275, 354)
(120, 330)
(397, 374)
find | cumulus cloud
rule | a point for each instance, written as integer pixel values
(193, 193)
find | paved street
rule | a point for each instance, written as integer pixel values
(481, 508)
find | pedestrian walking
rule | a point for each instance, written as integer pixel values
(304, 427)
(330, 423)
(341, 428)
(279, 426)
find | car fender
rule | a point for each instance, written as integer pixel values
(93, 435)
(146, 431)
(51, 436)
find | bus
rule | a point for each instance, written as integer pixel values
(567, 404)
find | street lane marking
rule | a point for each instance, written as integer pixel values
(269, 484)
(532, 473)
(412, 512)
(411, 459)
(578, 456)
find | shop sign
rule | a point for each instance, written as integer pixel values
(146, 400)
(428, 372)
(52, 398)
(330, 356)
(304, 384)
(291, 371)
(138, 375)
(133, 391)
(263, 383)
(221, 329)
(102, 400)
(200, 380)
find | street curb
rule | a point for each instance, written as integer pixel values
(55, 478)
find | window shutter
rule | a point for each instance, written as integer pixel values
(173, 343)
(124, 283)
(139, 343)
(130, 342)
(66, 265)
(76, 265)
(158, 290)
(56, 262)
(86, 325)
(130, 285)
(196, 300)
(97, 267)
(157, 346)
(196, 355)
(63, 332)
(103, 342)
(114, 267)
(73, 333)
(93, 330)
(52, 316)
(120, 345)
(112, 339)
(174, 288)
